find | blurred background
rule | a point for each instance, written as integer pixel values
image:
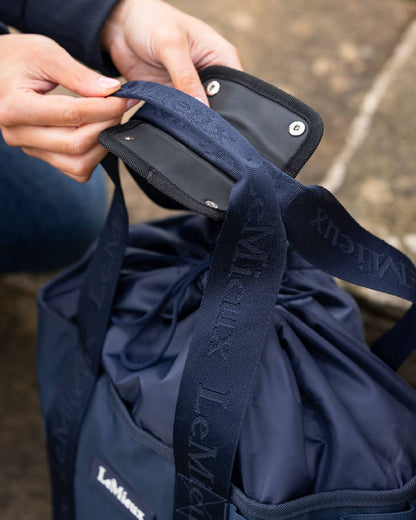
(352, 61)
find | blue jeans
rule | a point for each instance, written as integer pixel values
(47, 220)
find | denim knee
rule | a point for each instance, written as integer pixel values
(47, 220)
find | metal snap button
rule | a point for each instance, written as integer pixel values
(212, 88)
(297, 128)
(211, 204)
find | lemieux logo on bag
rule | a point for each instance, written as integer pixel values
(365, 258)
(106, 480)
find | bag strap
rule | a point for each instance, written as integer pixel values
(235, 314)
(397, 344)
(97, 293)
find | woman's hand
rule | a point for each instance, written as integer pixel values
(151, 40)
(147, 40)
(61, 130)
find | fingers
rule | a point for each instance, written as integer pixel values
(74, 151)
(30, 108)
(152, 40)
(78, 167)
(189, 46)
(210, 48)
(228, 56)
(62, 130)
(61, 68)
(64, 140)
(179, 64)
(182, 66)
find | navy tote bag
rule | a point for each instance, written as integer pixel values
(193, 368)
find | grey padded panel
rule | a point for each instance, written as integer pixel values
(263, 122)
(184, 169)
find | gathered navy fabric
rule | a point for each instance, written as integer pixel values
(319, 392)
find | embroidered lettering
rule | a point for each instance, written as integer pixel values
(197, 461)
(367, 260)
(249, 258)
(105, 478)
(119, 493)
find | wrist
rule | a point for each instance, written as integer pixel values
(112, 29)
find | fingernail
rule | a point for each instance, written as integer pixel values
(205, 102)
(107, 83)
(132, 102)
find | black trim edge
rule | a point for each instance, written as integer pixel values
(276, 95)
(149, 178)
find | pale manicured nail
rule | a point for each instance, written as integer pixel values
(132, 102)
(107, 83)
(203, 101)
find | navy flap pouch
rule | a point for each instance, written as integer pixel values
(283, 129)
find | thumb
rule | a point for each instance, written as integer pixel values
(63, 69)
(179, 64)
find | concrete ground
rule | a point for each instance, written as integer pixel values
(354, 62)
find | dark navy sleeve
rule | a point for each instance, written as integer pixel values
(75, 25)
(3, 28)
(11, 12)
